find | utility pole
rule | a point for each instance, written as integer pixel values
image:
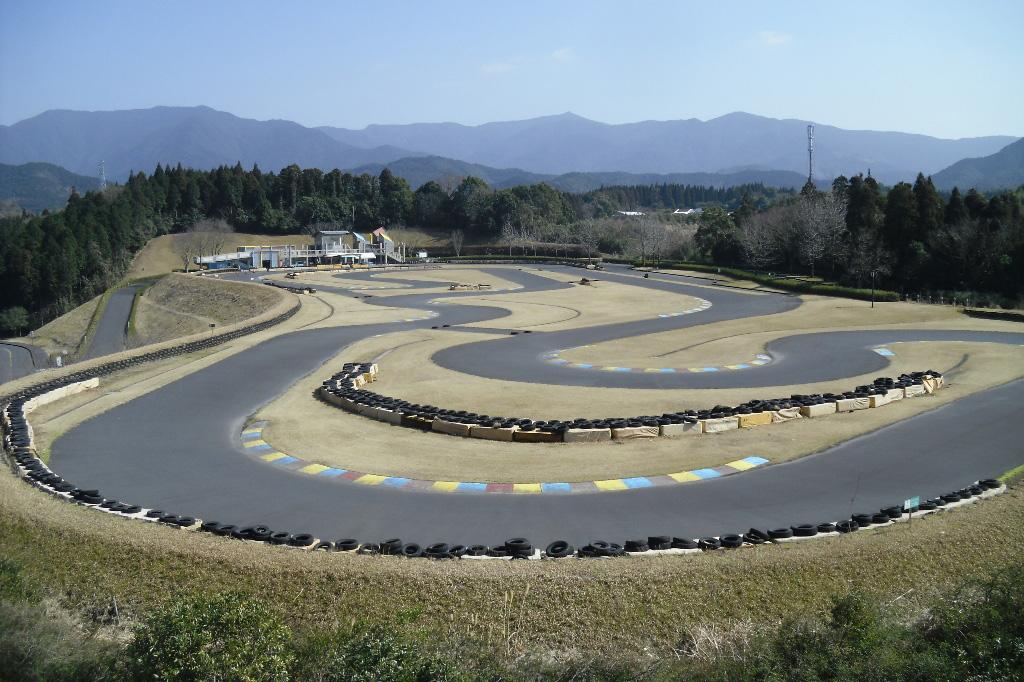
(810, 153)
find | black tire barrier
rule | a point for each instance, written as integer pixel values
(892, 512)
(804, 530)
(731, 541)
(862, 520)
(348, 394)
(636, 546)
(559, 549)
(18, 447)
(709, 543)
(392, 546)
(659, 542)
(280, 538)
(301, 540)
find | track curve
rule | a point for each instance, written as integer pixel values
(138, 451)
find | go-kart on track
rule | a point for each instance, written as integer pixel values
(178, 449)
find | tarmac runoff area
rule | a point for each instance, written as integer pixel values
(178, 447)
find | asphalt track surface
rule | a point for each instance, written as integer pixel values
(178, 448)
(110, 334)
(17, 360)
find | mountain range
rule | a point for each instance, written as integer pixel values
(738, 141)
(564, 149)
(1004, 169)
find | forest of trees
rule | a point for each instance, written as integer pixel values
(53, 262)
(909, 237)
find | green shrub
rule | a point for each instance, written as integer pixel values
(980, 630)
(369, 654)
(229, 636)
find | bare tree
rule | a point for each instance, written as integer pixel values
(457, 238)
(509, 235)
(586, 236)
(764, 236)
(187, 247)
(822, 221)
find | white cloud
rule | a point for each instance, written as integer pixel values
(773, 38)
(563, 54)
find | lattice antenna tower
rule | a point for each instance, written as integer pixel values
(103, 177)
(810, 153)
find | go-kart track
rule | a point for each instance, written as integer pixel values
(178, 448)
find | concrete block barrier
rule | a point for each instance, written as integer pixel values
(852, 404)
(452, 428)
(720, 424)
(821, 410)
(684, 429)
(750, 420)
(587, 435)
(536, 437)
(493, 433)
(632, 432)
(878, 400)
(913, 391)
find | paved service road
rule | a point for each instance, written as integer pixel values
(110, 334)
(17, 360)
(177, 449)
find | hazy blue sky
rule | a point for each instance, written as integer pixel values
(952, 69)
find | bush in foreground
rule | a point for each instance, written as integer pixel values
(229, 636)
(976, 634)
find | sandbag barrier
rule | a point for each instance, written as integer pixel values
(346, 390)
(17, 441)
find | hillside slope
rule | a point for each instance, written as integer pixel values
(421, 169)
(38, 186)
(1002, 170)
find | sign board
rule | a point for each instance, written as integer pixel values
(912, 503)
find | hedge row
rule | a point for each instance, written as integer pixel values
(786, 284)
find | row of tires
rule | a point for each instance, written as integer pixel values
(516, 548)
(347, 388)
(17, 435)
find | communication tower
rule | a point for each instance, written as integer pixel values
(810, 153)
(103, 177)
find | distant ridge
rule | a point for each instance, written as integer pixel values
(421, 169)
(38, 186)
(569, 143)
(199, 137)
(203, 138)
(1002, 170)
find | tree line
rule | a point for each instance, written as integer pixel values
(908, 238)
(53, 262)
